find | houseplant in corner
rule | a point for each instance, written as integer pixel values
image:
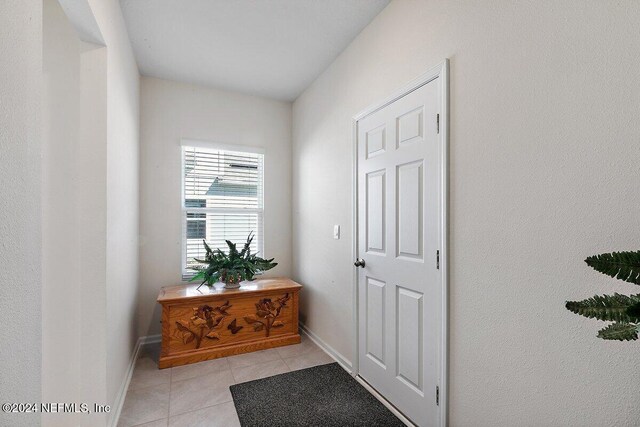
(230, 268)
(623, 310)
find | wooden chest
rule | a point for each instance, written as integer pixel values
(209, 323)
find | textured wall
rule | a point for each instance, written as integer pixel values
(544, 171)
(73, 205)
(122, 172)
(90, 206)
(20, 230)
(171, 111)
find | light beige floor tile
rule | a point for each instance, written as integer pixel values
(259, 370)
(308, 360)
(305, 346)
(144, 405)
(146, 373)
(158, 423)
(193, 370)
(250, 359)
(223, 415)
(200, 392)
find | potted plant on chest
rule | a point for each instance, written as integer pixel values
(230, 268)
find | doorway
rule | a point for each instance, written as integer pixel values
(400, 247)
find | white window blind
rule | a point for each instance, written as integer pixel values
(223, 200)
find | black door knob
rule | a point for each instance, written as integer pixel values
(359, 263)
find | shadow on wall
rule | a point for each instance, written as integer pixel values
(156, 314)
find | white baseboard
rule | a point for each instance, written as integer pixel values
(343, 361)
(122, 393)
(151, 339)
(347, 365)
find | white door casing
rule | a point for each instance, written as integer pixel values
(401, 153)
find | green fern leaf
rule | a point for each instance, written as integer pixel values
(605, 307)
(198, 276)
(247, 246)
(233, 251)
(619, 331)
(206, 247)
(620, 265)
(634, 312)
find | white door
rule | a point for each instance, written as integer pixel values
(400, 286)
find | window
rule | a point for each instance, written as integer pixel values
(222, 199)
(196, 222)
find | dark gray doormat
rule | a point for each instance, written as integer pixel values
(324, 395)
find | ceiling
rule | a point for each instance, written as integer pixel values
(271, 48)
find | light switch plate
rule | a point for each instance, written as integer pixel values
(336, 232)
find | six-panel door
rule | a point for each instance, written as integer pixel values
(399, 317)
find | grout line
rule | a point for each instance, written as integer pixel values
(287, 365)
(149, 386)
(200, 409)
(170, 388)
(262, 363)
(204, 407)
(151, 421)
(199, 376)
(232, 375)
(169, 399)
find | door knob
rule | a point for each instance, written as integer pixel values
(359, 263)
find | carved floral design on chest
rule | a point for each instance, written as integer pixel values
(267, 311)
(203, 324)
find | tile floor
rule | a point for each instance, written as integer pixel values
(198, 394)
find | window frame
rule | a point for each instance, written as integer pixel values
(192, 143)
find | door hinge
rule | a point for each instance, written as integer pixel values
(438, 123)
(437, 396)
(438, 259)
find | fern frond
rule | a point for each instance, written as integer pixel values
(619, 331)
(233, 251)
(218, 265)
(206, 247)
(605, 307)
(246, 250)
(634, 312)
(620, 265)
(198, 276)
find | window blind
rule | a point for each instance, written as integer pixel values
(223, 200)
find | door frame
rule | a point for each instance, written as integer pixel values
(441, 72)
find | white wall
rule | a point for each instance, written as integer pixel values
(545, 141)
(20, 230)
(73, 219)
(123, 115)
(90, 209)
(171, 111)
